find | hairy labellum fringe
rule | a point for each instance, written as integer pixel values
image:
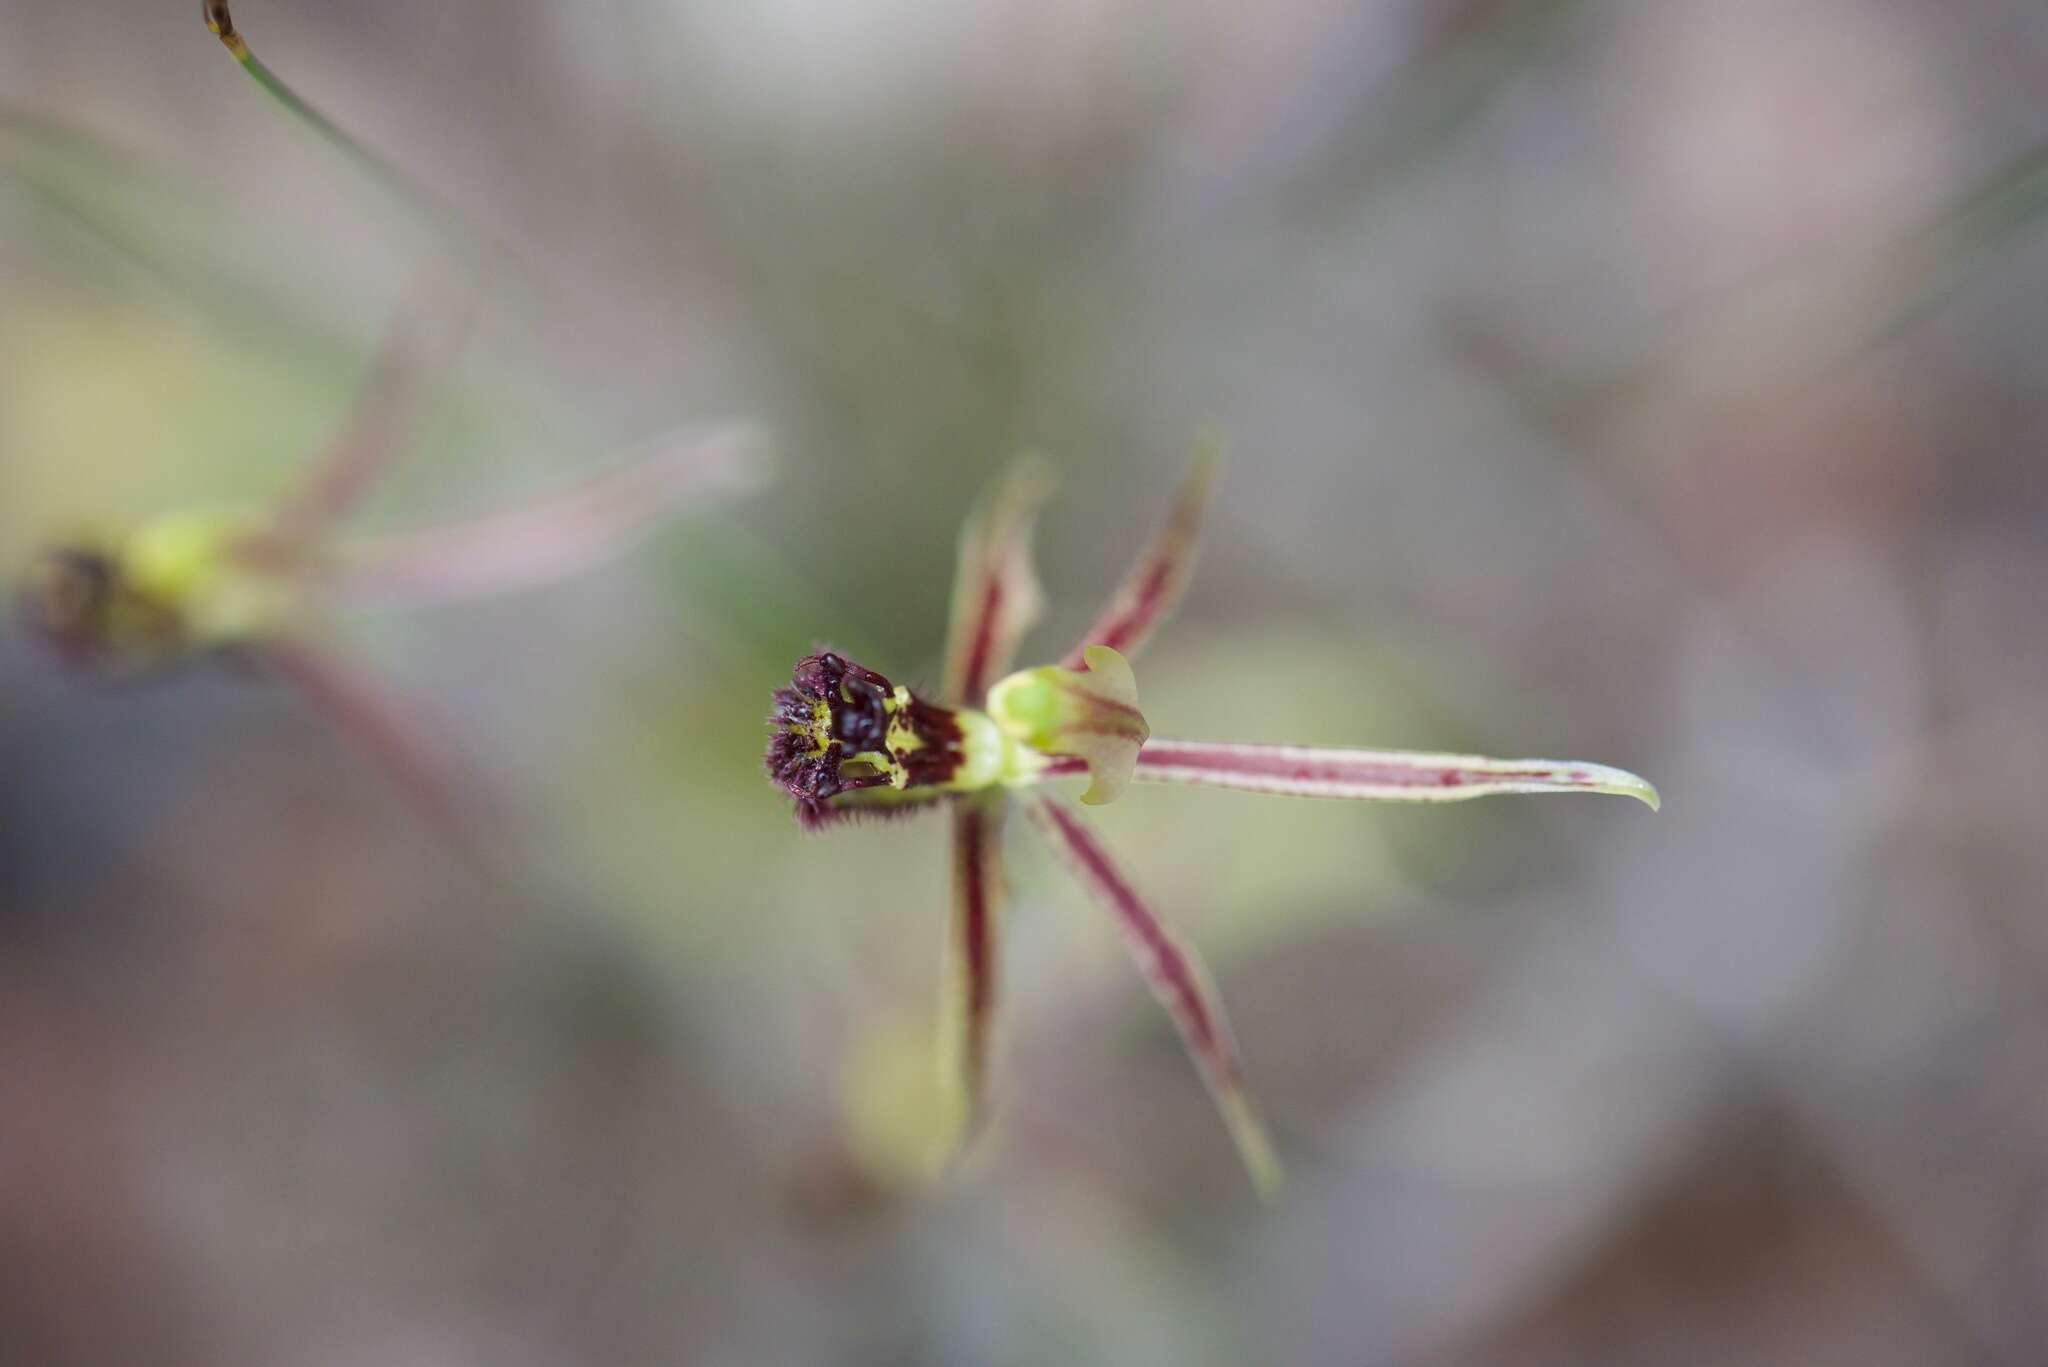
(840, 730)
(857, 809)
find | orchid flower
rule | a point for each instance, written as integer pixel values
(846, 743)
(251, 583)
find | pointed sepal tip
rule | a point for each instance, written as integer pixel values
(1601, 778)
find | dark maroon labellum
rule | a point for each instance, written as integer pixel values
(840, 728)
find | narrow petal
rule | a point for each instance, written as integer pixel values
(974, 955)
(563, 532)
(418, 350)
(1176, 977)
(371, 717)
(996, 597)
(1375, 775)
(1153, 586)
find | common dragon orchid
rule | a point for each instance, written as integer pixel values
(846, 742)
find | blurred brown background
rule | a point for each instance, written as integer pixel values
(1655, 384)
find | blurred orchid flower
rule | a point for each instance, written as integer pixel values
(848, 743)
(191, 584)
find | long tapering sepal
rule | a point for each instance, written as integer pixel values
(398, 741)
(1175, 975)
(1375, 775)
(415, 356)
(973, 959)
(996, 597)
(1152, 587)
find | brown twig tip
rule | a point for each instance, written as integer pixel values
(222, 24)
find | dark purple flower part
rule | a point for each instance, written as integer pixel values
(69, 602)
(840, 729)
